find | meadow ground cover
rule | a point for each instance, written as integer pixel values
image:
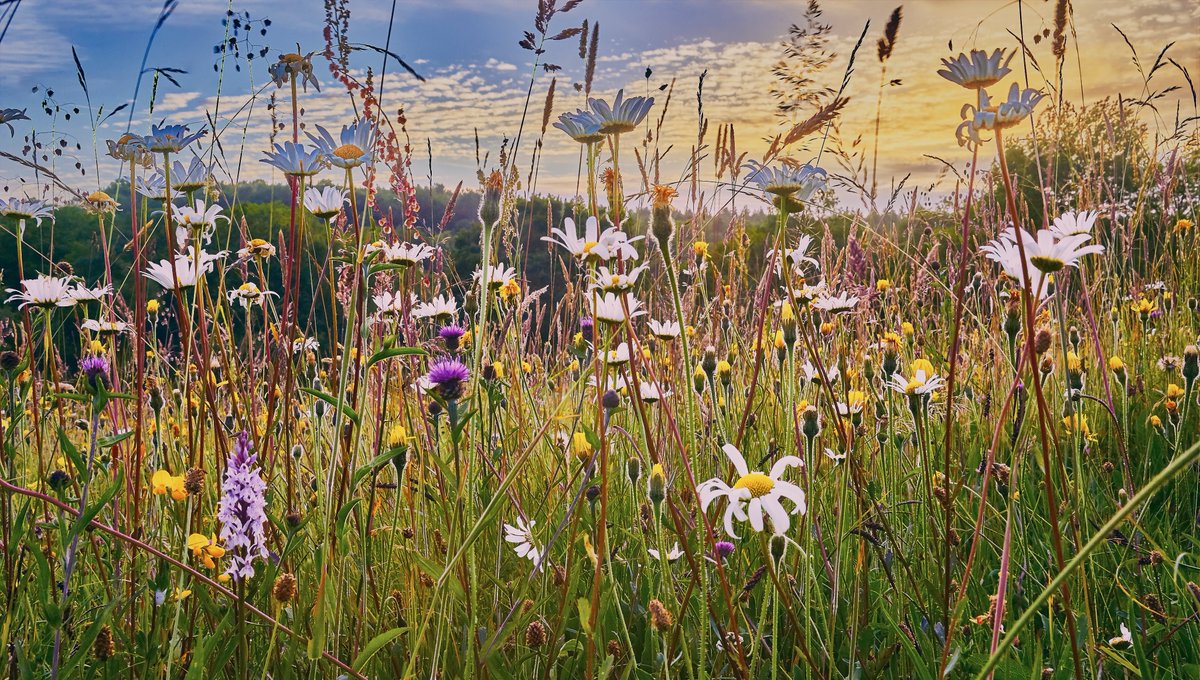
(717, 426)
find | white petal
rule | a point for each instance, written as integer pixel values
(756, 514)
(783, 464)
(735, 457)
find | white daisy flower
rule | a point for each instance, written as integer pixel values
(248, 294)
(615, 282)
(498, 275)
(652, 391)
(673, 554)
(921, 383)
(615, 244)
(44, 291)
(618, 356)
(836, 304)
(1072, 223)
(104, 326)
(324, 202)
(521, 536)
(81, 293)
(608, 307)
(161, 273)
(755, 494)
(440, 307)
(569, 238)
(664, 330)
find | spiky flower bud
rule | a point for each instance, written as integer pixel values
(661, 619)
(535, 634)
(104, 646)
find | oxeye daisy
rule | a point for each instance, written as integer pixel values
(257, 247)
(294, 65)
(325, 203)
(440, 307)
(44, 291)
(357, 140)
(578, 245)
(582, 126)
(130, 149)
(836, 304)
(295, 160)
(623, 116)
(755, 495)
(609, 308)
(248, 294)
(798, 183)
(615, 244)
(521, 536)
(192, 177)
(498, 275)
(155, 186)
(664, 330)
(195, 221)
(404, 253)
(1074, 223)
(978, 70)
(614, 282)
(26, 209)
(7, 116)
(161, 272)
(170, 138)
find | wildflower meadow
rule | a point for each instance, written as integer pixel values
(278, 404)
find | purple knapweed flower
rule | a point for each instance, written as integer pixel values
(95, 372)
(449, 377)
(243, 510)
(451, 334)
(723, 549)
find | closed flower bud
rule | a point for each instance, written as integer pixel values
(633, 470)
(1191, 364)
(535, 634)
(489, 206)
(778, 548)
(104, 647)
(193, 481)
(660, 618)
(1041, 341)
(9, 361)
(657, 488)
(610, 400)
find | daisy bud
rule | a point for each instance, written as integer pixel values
(1073, 338)
(809, 423)
(58, 480)
(9, 361)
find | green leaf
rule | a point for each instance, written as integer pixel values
(377, 643)
(109, 442)
(336, 403)
(73, 453)
(90, 513)
(384, 354)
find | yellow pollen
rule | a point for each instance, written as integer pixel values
(348, 152)
(758, 484)
(587, 247)
(913, 385)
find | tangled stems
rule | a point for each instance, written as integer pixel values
(1043, 409)
(1179, 464)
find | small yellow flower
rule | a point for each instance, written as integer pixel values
(510, 289)
(700, 248)
(163, 482)
(205, 549)
(907, 329)
(723, 367)
(152, 306)
(526, 367)
(498, 368)
(786, 313)
(1116, 364)
(398, 436)
(97, 347)
(1182, 226)
(581, 447)
(1174, 391)
(883, 285)
(779, 343)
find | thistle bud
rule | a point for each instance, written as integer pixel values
(709, 361)
(810, 424)
(661, 224)
(1073, 338)
(1041, 341)
(1191, 364)
(9, 361)
(489, 206)
(1012, 320)
(610, 400)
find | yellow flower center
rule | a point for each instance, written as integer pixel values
(758, 484)
(348, 152)
(587, 247)
(913, 385)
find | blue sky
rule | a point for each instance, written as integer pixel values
(478, 76)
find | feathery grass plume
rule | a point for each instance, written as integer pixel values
(1062, 10)
(806, 54)
(590, 67)
(548, 109)
(888, 42)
